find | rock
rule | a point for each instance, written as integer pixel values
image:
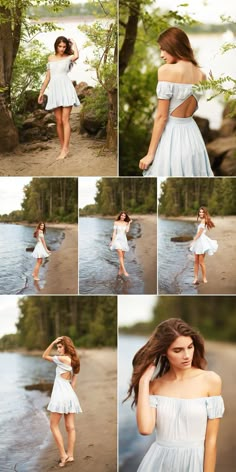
(43, 387)
(29, 249)
(181, 239)
(228, 127)
(203, 125)
(83, 90)
(89, 122)
(228, 165)
(32, 134)
(221, 146)
(228, 109)
(101, 134)
(51, 130)
(49, 118)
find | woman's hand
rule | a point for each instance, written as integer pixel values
(58, 340)
(145, 162)
(147, 375)
(40, 99)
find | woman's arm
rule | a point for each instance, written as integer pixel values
(212, 427)
(198, 234)
(44, 244)
(145, 414)
(113, 237)
(73, 381)
(128, 226)
(47, 351)
(44, 86)
(158, 128)
(75, 49)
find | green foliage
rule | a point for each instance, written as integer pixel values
(91, 321)
(97, 104)
(74, 9)
(183, 197)
(9, 341)
(116, 194)
(29, 66)
(214, 317)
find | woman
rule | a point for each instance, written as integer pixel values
(176, 147)
(174, 392)
(62, 95)
(202, 245)
(119, 239)
(63, 399)
(40, 250)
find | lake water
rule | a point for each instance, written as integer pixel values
(175, 262)
(98, 265)
(24, 425)
(17, 264)
(133, 446)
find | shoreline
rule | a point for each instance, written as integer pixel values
(146, 251)
(62, 272)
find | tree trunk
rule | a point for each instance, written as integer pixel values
(131, 30)
(111, 140)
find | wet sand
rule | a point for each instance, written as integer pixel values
(146, 251)
(96, 427)
(88, 157)
(62, 273)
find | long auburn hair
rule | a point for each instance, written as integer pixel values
(175, 41)
(208, 222)
(127, 218)
(71, 351)
(154, 352)
(38, 228)
(62, 39)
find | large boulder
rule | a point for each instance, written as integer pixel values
(83, 90)
(228, 164)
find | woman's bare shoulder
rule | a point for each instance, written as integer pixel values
(51, 57)
(213, 382)
(65, 359)
(164, 72)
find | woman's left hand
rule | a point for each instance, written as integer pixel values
(58, 340)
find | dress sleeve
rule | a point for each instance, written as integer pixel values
(215, 407)
(202, 225)
(48, 66)
(55, 359)
(41, 235)
(153, 401)
(164, 90)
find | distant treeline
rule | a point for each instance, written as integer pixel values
(90, 321)
(50, 200)
(74, 9)
(184, 196)
(214, 317)
(134, 195)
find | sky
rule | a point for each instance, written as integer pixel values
(87, 190)
(207, 11)
(135, 308)
(11, 193)
(8, 314)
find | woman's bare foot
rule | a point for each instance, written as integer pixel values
(126, 273)
(70, 459)
(63, 461)
(205, 281)
(195, 282)
(62, 154)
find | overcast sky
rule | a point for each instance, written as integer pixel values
(11, 193)
(8, 314)
(135, 308)
(87, 190)
(207, 11)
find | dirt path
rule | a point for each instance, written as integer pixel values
(87, 157)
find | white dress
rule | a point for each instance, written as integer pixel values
(180, 433)
(203, 244)
(39, 250)
(120, 241)
(63, 399)
(181, 151)
(61, 92)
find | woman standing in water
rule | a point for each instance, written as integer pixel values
(40, 251)
(176, 147)
(202, 245)
(63, 399)
(119, 240)
(174, 393)
(61, 95)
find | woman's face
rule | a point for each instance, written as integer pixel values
(201, 213)
(167, 57)
(180, 353)
(60, 349)
(122, 216)
(61, 48)
(41, 226)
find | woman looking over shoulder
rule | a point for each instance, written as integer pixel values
(177, 147)
(64, 400)
(40, 251)
(173, 392)
(119, 239)
(61, 95)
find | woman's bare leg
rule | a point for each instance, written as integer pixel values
(203, 267)
(54, 425)
(196, 268)
(37, 267)
(70, 428)
(66, 111)
(121, 259)
(60, 131)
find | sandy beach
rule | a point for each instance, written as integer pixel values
(88, 156)
(62, 273)
(146, 251)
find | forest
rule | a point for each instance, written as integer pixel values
(183, 197)
(90, 321)
(214, 317)
(128, 194)
(51, 199)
